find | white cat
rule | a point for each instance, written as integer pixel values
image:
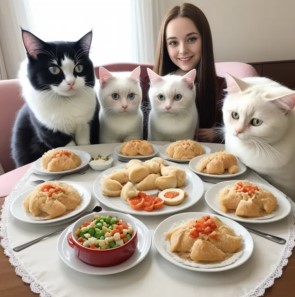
(260, 128)
(173, 114)
(120, 114)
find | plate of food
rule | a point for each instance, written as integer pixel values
(203, 242)
(61, 161)
(67, 254)
(248, 202)
(135, 149)
(219, 165)
(36, 207)
(182, 151)
(133, 188)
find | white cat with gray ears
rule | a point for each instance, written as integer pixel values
(120, 96)
(260, 128)
(173, 114)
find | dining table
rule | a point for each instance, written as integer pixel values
(49, 268)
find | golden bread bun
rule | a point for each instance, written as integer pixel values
(148, 183)
(136, 148)
(184, 149)
(52, 199)
(247, 200)
(165, 182)
(111, 187)
(60, 160)
(218, 163)
(137, 173)
(175, 171)
(120, 175)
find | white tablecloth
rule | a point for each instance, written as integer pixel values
(41, 266)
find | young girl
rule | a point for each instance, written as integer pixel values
(185, 43)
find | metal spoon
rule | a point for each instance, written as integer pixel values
(29, 243)
(273, 238)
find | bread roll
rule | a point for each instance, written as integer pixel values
(129, 190)
(148, 183)
(137, 173)
(111, 187)
(166, 182)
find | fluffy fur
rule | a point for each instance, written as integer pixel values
(260, 128)
(173, 114)
(120, 96)
(61, 108)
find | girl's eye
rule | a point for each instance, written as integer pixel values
(192, 40)
(54, 70)
(235, 115)
(131, 96)
(256, 122)
(172, 43)
(161, 97)
(177, 97)
(79, 68)
(115, 96)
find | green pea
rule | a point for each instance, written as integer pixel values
(112, 244)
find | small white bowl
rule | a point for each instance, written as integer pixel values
(101, 164)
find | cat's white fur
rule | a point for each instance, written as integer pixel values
(65, 108)
(171, 120)
(268, 148)
(122, 119)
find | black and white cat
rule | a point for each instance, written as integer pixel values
(259, 119)
(61, 107)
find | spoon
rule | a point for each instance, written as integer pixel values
(29, 243)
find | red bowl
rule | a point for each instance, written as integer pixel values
(108, 257)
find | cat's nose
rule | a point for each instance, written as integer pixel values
(71, 83)
(124, 107)
(168, 107)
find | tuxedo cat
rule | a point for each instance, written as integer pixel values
(259, 128)
(61, 107)
(173, 114)
(120, 97)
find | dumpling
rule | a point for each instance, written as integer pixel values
(148, 183)
(137, 173)
(165, 182)
(111, 187)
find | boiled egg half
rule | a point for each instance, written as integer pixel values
(172, 196)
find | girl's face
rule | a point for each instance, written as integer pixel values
(184, 43)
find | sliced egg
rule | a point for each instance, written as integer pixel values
(172, 196)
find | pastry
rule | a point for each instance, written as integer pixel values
(247, 199)
(165, 182)
(128, 191)
(111, 187)
(177, 172)
(137, 173)
(148, 183)
(120, 175)
(184, 149)
(136, 148)
(60, 160)
(52, 199)
(218, 163)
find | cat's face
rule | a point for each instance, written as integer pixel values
(120, 93)
(172, 93)
(63, 67)
(256, 110)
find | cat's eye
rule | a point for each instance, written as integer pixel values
(235, 115)
(161, 97)
(79, 68)
(177, 97)
(55, 70)
(131, 96)
(115, 96)
(256, 122)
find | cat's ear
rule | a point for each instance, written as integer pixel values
(33, 44)
(189, 78)
(235, 84)
(85, 42)
(153, 76)
(104, 76)
(286, 101)
(135, 74)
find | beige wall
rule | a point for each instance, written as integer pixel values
(248, 30)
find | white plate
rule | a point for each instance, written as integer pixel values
(84, 156)
(162, 244)
(284, 206)
(164, 155)
(194, 188)
(127, 158)
(193, 165)
(18, 211)
(68, 256)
